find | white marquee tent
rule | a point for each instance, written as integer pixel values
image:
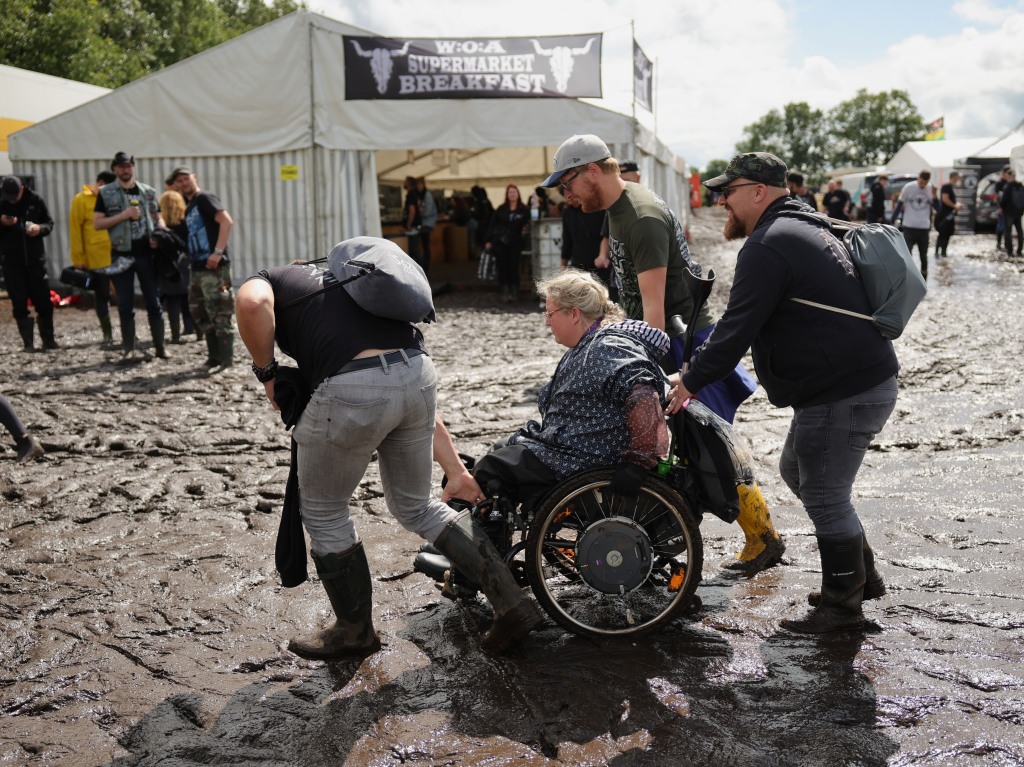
(263, 121)
(939, 157)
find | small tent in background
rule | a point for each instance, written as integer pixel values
(28, 97)
(994, 156)
(939, 157)
(264, 122)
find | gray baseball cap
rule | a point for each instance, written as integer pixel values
(762, 167)
(576, 151)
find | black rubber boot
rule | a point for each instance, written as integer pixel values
(346, 579)
(842, 589)
(108, 331)
(27, 329)
(212, 352)
(470, 550)
(29, 449)
(45, 322)
(128, 337)
(156, 327)
(225, 351)
(874, 586)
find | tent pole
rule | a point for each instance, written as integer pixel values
(314, 175)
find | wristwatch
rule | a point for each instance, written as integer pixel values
(218, 252)
(266, 373)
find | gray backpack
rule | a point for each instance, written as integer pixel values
(890, 277)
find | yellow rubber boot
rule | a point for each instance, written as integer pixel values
(763, 547)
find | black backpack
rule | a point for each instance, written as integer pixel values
(1017, 197)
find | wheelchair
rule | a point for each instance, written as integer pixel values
(607, 564)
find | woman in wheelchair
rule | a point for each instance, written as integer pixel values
(602, 407)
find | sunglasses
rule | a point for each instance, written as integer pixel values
(727, 190)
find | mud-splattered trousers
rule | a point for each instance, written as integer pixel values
(389, 410)
(211, 299)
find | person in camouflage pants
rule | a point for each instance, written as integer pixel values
(211, 298)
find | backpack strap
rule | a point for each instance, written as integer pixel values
(364, 269)
(835, 309)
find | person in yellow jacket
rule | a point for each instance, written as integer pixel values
(90, 247)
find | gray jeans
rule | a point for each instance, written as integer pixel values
(823, 453)
(348, 418)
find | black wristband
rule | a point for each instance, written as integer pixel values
(265, 373)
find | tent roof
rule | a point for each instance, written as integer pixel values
(915, 155)
(280, 87)
(1001, 148)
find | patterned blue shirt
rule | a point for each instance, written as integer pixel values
(582, 407)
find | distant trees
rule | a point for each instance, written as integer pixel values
(865, 130)
(112, 42)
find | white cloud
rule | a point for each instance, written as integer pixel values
(722, 65)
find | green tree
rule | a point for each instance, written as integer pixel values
(871, 127)
(112, 42)
(714, 168)
(798, 134)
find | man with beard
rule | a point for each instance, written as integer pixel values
(649, 255)
(129, 211)
(837, 372)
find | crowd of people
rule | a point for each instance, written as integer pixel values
(121, 231)
(365, 384)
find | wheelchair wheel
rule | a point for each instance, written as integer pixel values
(604, 565)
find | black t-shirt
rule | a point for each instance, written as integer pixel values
(947, 189)
(835, 202)
(325, 332)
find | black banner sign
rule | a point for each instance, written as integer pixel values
(643, 78)
(465, 68)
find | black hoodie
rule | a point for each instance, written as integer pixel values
(803, 355)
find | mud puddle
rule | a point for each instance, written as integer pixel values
(141, 620)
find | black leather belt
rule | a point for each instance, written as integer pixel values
(379, 361)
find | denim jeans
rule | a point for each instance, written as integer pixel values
(125, 285)
(823, 453)
(348, 418)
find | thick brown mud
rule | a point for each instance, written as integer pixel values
(142, 622)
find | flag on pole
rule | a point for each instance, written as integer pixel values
(643, 78)
(936, 130)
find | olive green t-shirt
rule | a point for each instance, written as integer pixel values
(644, 234)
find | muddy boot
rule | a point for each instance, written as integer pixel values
(225, 343)
(156, 327)
(128, 338)
(29, 449)
(45, 322)
(212, 352)
(874, 586)
(842, 589)
(346, 579)
(470, 550)
(27, 329)
(108, 332)
(764, 546)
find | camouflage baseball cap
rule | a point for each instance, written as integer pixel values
(762, 167)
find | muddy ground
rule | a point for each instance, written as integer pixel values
(142, 622)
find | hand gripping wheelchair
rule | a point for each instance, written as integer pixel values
(604, 563)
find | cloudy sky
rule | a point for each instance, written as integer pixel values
(722, 64)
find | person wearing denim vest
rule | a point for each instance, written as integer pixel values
(129, 211)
